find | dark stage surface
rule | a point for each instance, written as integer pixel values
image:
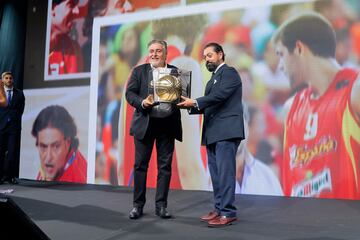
(68, 211)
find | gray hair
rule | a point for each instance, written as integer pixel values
(162, 42)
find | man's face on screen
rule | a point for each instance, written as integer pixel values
(63, 14)
(289, 63)
(53, 149)
(157, 55)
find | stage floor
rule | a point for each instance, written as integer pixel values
(71, 211)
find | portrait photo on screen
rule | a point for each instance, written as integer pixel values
(295, 145)
(69, 32)
(54, 135)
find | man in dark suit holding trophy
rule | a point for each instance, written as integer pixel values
(152, 121)
(223, 129)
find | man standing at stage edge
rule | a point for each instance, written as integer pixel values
(223, 129)
(152, 122)
(10, 130)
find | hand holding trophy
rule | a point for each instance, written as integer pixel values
(169, 85)
(149, 102)
(186, 103)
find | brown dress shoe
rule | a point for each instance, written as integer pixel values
(221, 221)
(210, 216)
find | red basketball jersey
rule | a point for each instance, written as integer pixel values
(66, 57)
(322, 143)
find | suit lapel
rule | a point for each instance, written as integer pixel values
(149, 77)
(209, 84)
(13, 96)
(213, 80)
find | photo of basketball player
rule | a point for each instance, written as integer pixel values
(64, 53)
(54, 140)
(55, 134)
(246, 35)
(70, 32)
(322, 126)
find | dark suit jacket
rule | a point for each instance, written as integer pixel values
(137, 90)
(222, 107)
(13, 111)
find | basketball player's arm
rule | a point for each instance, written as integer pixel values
(355, 98)
(3, 101)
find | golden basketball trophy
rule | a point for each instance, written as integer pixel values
(168, 85)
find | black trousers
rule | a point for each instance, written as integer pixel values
(159, 131)
(9, 153)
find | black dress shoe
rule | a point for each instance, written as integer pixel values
(2, 180)
(13, 181)
(162, 212)
(136, 212)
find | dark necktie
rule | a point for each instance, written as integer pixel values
(9, 97)
(8, 100)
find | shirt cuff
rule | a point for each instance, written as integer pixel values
(142, 104)
(196, 105)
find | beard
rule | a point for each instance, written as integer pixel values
(211, 67)
(157, 63)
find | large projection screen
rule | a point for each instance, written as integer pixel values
(291, 149)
